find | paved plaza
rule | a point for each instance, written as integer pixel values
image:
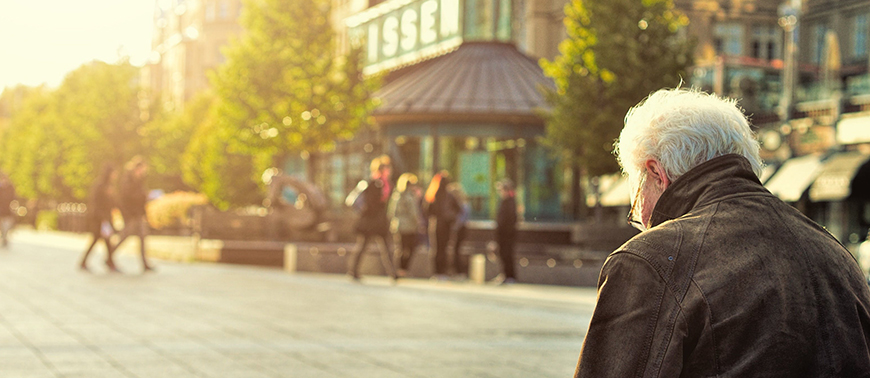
(211, 320)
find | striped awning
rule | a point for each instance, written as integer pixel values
(794, 177)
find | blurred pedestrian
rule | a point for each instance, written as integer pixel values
(373, 223)
(99, 215)
(406, 219)
(460, 261)
(725, 279)
(442, 206)
(506, 228)
(132, 197)
(7, 216)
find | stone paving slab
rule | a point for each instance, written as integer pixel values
(211, 320)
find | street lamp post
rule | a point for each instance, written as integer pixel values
(789, 13)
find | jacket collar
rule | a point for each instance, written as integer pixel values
(707, 183)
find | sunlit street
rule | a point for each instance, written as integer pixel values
(210, 320)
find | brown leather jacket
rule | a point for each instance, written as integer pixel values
(729, 282)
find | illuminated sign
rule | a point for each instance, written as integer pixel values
(398, 32)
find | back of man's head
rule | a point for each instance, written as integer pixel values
(682, 129)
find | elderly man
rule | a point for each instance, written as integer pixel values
(725, 280)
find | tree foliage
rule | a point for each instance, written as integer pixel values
(57, 140)
(167, 136)
(617, 53)
(214, 168)
(283, 90)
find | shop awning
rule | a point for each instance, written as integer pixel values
(793, 177)
(836, 175)
(618, 194)
(767, 173)
(851, 130)
(479, 82)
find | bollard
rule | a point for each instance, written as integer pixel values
(477, 268)
(290, 258)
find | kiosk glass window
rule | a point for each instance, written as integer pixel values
(488, 20)
(860, 32)
(478, 163)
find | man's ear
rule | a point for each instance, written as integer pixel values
(657, 172)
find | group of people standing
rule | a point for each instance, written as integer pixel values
(407, 216)
(130, 199)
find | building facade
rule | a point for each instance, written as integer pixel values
(186, 43)
(799, 68)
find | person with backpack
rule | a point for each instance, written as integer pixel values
(373, 223)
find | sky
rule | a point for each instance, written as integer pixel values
(43, 40)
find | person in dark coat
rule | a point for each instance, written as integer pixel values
(725, 279)
(7, 216)
(99, 215)
(132, 197)
(444, 207)
(506, 228)
(373, 223)
(460, 261)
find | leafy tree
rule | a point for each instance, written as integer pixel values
(22, 142)
(57, 140)
(617, 53)
(210, 159)
(283, 89)
(167, 136)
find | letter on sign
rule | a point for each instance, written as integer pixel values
(427, 22)
(373, 42)
(409, 29)
(449, 17)
(391, 36)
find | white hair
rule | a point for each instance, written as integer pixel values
(682, 129)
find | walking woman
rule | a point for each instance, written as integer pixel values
(373, 223)
(99, 215)
(133, 197)
(406, 219)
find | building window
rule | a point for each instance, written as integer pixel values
(729, 39)
(817, 42)
(860, 28)
(488, 20)
(766, 42)
(224, 10)
(210, 11)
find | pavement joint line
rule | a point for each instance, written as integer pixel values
(213, 320)
(82, 341)
(76, 335)
(30, 346)
(148, 342)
